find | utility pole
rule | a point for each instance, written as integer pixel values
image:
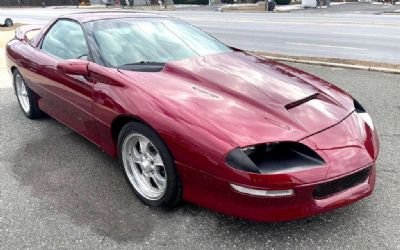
(266, 5)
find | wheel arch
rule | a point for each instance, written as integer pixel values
(13, 69)
(121, 120)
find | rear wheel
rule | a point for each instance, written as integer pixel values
(148, 166)
(27, 100)
(8, 22)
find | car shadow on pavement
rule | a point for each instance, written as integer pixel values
(71, 176)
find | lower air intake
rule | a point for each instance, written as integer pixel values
(327, 189)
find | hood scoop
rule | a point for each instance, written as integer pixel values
(300, 102)
(317, 96)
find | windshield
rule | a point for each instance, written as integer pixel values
(130, 41)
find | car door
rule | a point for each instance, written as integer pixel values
(68, 98)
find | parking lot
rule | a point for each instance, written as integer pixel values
(58, 190)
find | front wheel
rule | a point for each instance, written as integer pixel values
(148, 166)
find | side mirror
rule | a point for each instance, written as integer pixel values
(74, 67)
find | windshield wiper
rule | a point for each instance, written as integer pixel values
(143, 63)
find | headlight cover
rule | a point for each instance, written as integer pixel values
(363, 113)
(273, 158)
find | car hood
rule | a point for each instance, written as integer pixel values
(250, 99)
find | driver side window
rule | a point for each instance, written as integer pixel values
(66, 40)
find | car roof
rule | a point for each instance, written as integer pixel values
(84, 17)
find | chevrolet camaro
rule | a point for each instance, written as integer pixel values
(190, 118)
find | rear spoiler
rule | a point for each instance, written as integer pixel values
(21, 32)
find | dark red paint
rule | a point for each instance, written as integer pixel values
(204, 107)
(74, 67)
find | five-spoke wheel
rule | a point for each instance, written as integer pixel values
(144, 166)
(148, 165)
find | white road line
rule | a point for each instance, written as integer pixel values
(365, 34)
(325, 46)
(319, 52)
(322, 22)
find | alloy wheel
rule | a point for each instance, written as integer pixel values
(22, 93)
(144, 166)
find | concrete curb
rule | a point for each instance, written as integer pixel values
(337, 65)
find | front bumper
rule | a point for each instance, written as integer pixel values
(216, 194)
(346, 151)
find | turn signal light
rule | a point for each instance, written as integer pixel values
(262, 192)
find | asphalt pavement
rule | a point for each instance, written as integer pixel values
(359, 31)
(59, 191)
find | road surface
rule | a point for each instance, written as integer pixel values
(349, 35)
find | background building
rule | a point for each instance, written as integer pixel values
(67, 2)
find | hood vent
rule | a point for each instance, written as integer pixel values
(300, 102)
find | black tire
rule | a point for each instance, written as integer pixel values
(173, 192)
(34, 110)
(8, 22)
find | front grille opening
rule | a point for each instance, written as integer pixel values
(284, 157)
(327, 189)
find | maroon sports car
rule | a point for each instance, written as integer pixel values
(191, 118)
